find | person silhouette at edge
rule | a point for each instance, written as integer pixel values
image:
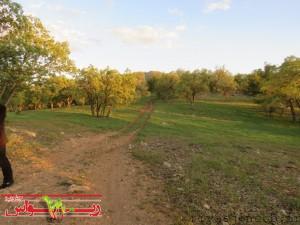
(4, 162)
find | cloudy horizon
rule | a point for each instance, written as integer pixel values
(168, 35)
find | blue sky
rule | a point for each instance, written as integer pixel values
(169, 34)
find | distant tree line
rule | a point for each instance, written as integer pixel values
(191, 85)
(36, 72)
(276, 88)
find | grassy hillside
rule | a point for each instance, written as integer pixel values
(222, 123)
(222, 157)
(52, 126)
(219, 158)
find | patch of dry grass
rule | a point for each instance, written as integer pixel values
(23, 150)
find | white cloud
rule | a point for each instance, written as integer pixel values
(180, 28)
(62, 32)
(219, 5)
(36, 6)
(147, 35)
(175, 12)
(62, 9)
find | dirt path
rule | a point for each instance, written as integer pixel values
(97, 163)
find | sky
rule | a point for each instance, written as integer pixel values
(166, 35)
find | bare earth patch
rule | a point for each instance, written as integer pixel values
(90, 163)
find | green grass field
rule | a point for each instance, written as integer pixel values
(218, 158)
(50, 125)
(225, 155)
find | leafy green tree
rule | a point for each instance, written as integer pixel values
(28, 53)
(90, 84)
(251, 84)
(285, 84)
(53, 87)
(35, 97)
(193, 84)
(11, 16)
(17, 104)
(141, 83)
(128, 91)
(222, 81)
(110, 92)
(242, 83)
(254, 83)
(166, 86)
(69, 92)
(106, 89)
(152, 80)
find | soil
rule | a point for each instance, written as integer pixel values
(96, 163)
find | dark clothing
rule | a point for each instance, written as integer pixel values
(5, 165)
(3, 139)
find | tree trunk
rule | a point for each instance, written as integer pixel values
(7, 94)
(291, 105)
(19, 109)
(2, 92)
(109, 111)
(298, 103)
(270, 113)
(52, 105)
(98, 110)
(93, 109)
(103, 110)
(281, 112)
(97, 107)
(69, 102)
(193, 99)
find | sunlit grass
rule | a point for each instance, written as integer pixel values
(247, 161)
(53, 126)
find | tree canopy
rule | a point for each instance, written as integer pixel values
(36, 72)
(105, 89)
(283, 85)
(28, 53)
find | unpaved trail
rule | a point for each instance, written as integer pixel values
(99, 163)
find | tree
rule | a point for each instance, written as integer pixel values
(222, 82)
(254, 83)
(11, 15)
(152, 80)
(110, 91)
(69, 92)
(251, 84)
(193, 84)
(141, 85)
(128, 89)
(106, 89)
(89, 83)
(285, 85)
(28, 53)
(242, 83)
(166, 86)
(18, 102)
(35, 97)
(56, 90)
